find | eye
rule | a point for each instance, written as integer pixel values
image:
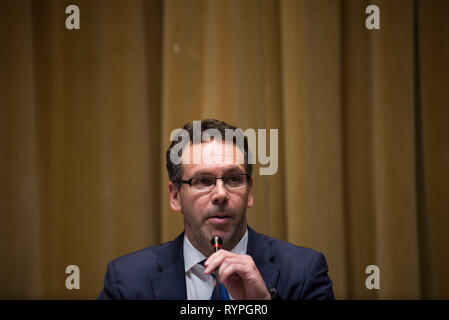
(204, 182)
(234, 179)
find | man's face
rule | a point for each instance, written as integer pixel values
(220, 211)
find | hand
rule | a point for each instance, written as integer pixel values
(239, 275)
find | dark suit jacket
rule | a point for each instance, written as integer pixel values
(158, 272)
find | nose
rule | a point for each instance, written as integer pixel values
(219, 193)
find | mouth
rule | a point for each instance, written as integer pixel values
(219, 218)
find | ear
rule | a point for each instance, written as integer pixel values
(175, 197)
(250, 194)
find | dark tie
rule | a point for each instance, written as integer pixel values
(224, 295)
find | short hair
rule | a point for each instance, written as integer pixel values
(175, 170)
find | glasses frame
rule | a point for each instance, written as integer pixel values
(189, 182)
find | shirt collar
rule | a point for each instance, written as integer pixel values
(192, 255)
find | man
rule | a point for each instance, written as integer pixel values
(213, 194)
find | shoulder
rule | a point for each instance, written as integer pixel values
(130, 276)
(147, 262)
(286, 251)
(139, 260)
(303, 272)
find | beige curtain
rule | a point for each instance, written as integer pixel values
(363, 119)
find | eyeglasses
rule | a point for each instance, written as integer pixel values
(231, 182)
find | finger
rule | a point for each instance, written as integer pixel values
(223, 254)
(215, 255)
(238, 259)
(215, 260)
(233, 270)
(227, 258)
(244, 268)
(232, 260)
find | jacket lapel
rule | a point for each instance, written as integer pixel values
(170, 283)
(262, 253)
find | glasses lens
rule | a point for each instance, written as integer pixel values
(203, 183)
(235, 181)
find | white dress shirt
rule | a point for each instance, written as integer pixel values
(199, 285)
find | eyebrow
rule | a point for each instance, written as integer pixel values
(226, 171)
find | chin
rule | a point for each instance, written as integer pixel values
(225, 232)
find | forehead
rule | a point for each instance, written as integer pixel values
(212, 156)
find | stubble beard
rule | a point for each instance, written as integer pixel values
(200, 235)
